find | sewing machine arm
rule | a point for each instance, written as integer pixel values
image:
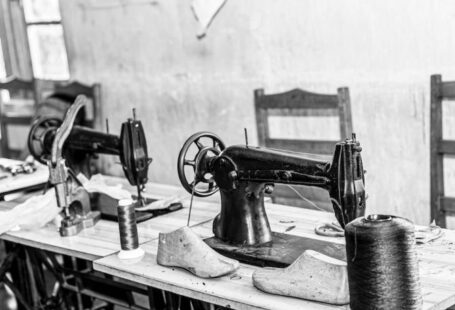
(224, 168)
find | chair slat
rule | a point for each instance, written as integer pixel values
(447, 204)
(448, 90)
(298, 99)
(447, 147)
(295, 103)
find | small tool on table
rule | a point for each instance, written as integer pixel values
(329, 230)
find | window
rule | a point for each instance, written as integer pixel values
(45, 37)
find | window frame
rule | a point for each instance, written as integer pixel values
(15, 41)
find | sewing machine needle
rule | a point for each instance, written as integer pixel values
(191, 205)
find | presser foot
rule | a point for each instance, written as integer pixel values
(73, 225)
(281, 252)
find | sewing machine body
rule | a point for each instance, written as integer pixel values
(243, 174)
(66, 147)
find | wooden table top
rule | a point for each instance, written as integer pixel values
(12, 183)
(103, 239)
(437, 268)
(100, 243)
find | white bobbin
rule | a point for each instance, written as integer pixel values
(131, 254)
(125, 202)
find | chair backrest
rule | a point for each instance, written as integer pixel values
(57, 98)
(16, 114)
(70, 90)
(298, 102)
(440, 204)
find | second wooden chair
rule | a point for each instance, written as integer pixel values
(298, 102)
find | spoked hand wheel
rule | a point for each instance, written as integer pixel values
(42, 130)
(200, 163)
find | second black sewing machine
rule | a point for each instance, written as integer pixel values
(66, 148)
(243, 174)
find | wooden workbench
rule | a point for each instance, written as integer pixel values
(103, 239)
(437, 268)
(9, 183)
(100, 243)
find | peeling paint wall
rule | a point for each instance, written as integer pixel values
(146, 55)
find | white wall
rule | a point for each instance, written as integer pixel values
(145, 54)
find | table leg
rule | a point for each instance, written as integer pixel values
(172, 301)
(20, 283)
(156, 299)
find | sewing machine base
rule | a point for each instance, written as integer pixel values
(74, 226)
(108, 208)
(281, 252)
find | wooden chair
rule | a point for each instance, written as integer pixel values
(440, 204)
(298, 102)
(15, 115)
(55, 96)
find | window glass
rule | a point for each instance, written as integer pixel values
(48, 52)
(45, 36)
(41, 10)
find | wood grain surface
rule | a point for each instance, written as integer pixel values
(12, 183)
(103, 239)
(437, 268)
(100, 243)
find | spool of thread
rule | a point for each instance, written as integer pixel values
(382, 263)
(129, 239)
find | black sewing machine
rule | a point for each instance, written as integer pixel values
(66, 148)
(243, 174)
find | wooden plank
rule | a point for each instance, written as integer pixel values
(261, 117)
(232, 291)
(345, 114)
(436, 165)
(298, 98)
(437, 269)
(303, 112)
(18, 120)
(447, 204)
(103, 239)
(446, 147)
(13, 183)
(448, 90)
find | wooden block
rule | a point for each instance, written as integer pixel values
(312, 276)
(183, 248)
